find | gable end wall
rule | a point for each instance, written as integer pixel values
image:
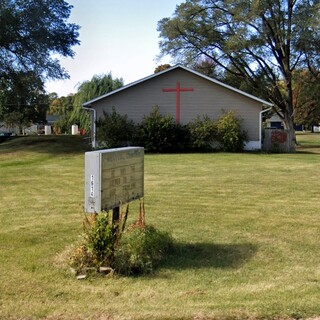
(207, 98)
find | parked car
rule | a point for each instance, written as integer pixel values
(5, 136)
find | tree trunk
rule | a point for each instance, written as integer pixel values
(289, 125)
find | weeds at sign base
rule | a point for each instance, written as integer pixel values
(141, 250)
(96, 246)
(134, 250)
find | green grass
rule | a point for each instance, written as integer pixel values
(246, 226)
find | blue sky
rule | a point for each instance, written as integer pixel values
(118, 36)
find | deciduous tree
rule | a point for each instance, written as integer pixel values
(162, 67)
(261, 42)
(33, 33)
(23, 100)
(88, 90)
(306, 98)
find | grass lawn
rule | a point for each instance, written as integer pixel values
(246, 226)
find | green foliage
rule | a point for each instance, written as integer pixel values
(115, 130)
(306, 94)
(33, 33)
(80, 117)
(257, 43)
(88, 90)
(136, 250)
(98, 244)
(158, 133)
(63, 125)
(97, 86)
(99, 236)
(203, 133)
(141, 250)
(230, 134)
(23, 100)
(71, 106)
(61, 106)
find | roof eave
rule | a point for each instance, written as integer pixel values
(266, 103)
(130, 85)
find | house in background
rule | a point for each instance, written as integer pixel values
(185, 94)
(37, 128)
(275, 122)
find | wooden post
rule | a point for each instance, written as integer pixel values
(115, 224)
(115, 215)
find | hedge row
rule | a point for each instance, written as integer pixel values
(159, 133)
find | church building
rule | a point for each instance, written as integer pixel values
(185, 94)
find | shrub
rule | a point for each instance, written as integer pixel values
(115, 130)
(99, 236)
(141, 250)
(158, 133)
(135, 250)
(230, 133)
(203, 133)
(97, 246)
(63, 125)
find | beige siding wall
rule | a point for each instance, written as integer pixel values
(207, 98)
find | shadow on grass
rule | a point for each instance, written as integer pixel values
(308, 149)
(209, 255)
(47, 144)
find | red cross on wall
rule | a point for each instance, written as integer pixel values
(177, 90)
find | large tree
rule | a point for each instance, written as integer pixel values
(306, 98)
(32, 34)
(23, 100)
(261, 42)
(88, 90)
(97, 86)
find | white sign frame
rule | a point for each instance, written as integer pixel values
(113, 177)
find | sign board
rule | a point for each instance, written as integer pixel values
(113, 177)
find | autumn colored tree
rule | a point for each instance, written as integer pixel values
(306, 98)
(162, 67)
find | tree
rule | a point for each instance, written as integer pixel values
(97, 86)
(88, 90)
(32, 34)
(306, 98)
(23, 100)
(162, 67)
(261, 42)
(207, 67)
(61, 106)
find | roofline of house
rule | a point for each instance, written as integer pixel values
(265, 103)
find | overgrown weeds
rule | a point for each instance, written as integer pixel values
(107, 243)
(141, 249)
